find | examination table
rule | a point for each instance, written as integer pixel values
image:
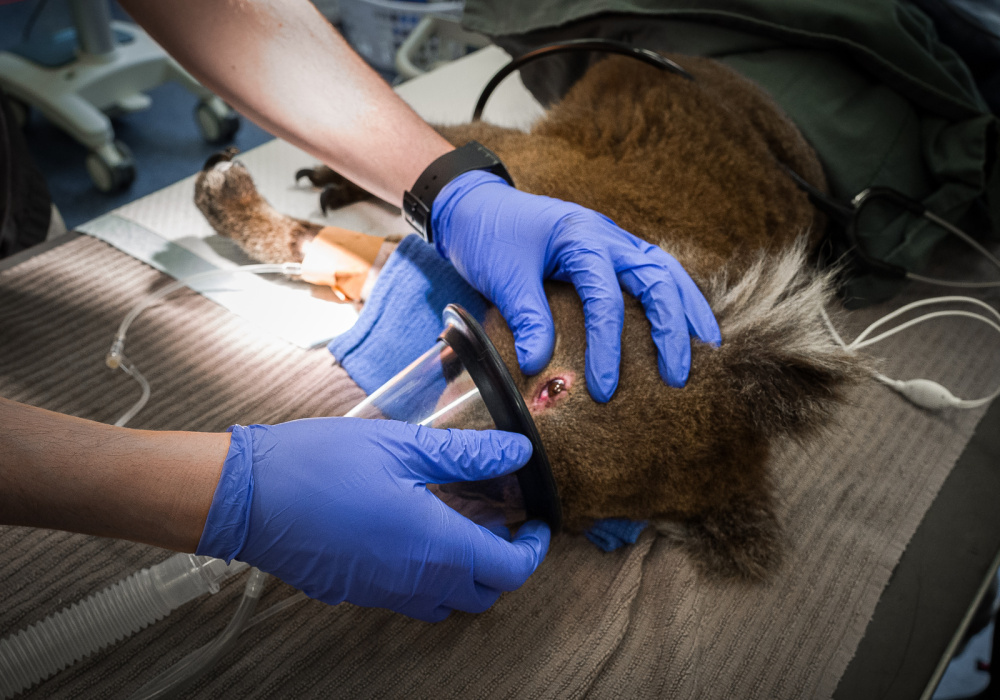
(889, 542)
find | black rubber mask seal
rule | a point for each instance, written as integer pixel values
(507, 408)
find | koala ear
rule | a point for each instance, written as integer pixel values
(739, 540)
(782, 363)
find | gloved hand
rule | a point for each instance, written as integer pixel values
(338, 507)
(505, 242)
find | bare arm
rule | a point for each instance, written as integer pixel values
(67, 473)
(280, 63)
(283, 65)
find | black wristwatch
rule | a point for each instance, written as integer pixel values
(418, 201)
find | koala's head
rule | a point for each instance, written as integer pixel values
(692, 460)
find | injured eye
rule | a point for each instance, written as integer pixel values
(551, 391)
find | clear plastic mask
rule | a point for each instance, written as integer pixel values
(461, 382)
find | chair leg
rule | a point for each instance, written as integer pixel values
(77, 97)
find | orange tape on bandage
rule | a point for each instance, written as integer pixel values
(340, 259)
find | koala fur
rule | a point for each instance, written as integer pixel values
(693, 167)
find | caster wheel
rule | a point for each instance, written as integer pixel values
(20, 110)
(111, 167)
(217, 121)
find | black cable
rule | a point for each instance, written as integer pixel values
(846, 215)
(29, 26)
(574, 45)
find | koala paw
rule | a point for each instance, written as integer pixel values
(225, 193)
(337, 192)
(319, 176)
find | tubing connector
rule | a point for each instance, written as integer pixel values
(114, 357)
(118, 611)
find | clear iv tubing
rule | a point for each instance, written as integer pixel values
(116, 358)
(178, 677)
(185, 672)
(181, 675)
(147, 595)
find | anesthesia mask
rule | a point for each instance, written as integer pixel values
(461, 382)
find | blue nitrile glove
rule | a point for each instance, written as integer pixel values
(338, 507)
(505, 242)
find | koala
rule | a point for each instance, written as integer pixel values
(697, 168)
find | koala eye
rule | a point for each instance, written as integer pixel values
(551, 391)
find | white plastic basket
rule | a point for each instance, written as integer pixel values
(377, 28)
(435, 40)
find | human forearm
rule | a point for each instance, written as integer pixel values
(67, 473)
(281, 64)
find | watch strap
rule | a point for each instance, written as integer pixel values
(419, 200)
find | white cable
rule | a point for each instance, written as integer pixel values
(922, 392)
(920, 319)
(116, 359)
(951, 283)
(950, 228)
(833, 331)
(925, 302)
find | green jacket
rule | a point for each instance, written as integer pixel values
(875, 92)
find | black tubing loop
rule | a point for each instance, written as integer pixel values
(573, 45)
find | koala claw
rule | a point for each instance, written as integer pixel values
(226, 154)
(306, 172)
(332, 197)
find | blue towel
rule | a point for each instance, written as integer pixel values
(611, 533)
(401, 319)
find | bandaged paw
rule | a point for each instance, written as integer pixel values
(340, 259)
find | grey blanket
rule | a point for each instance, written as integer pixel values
(639, 622)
